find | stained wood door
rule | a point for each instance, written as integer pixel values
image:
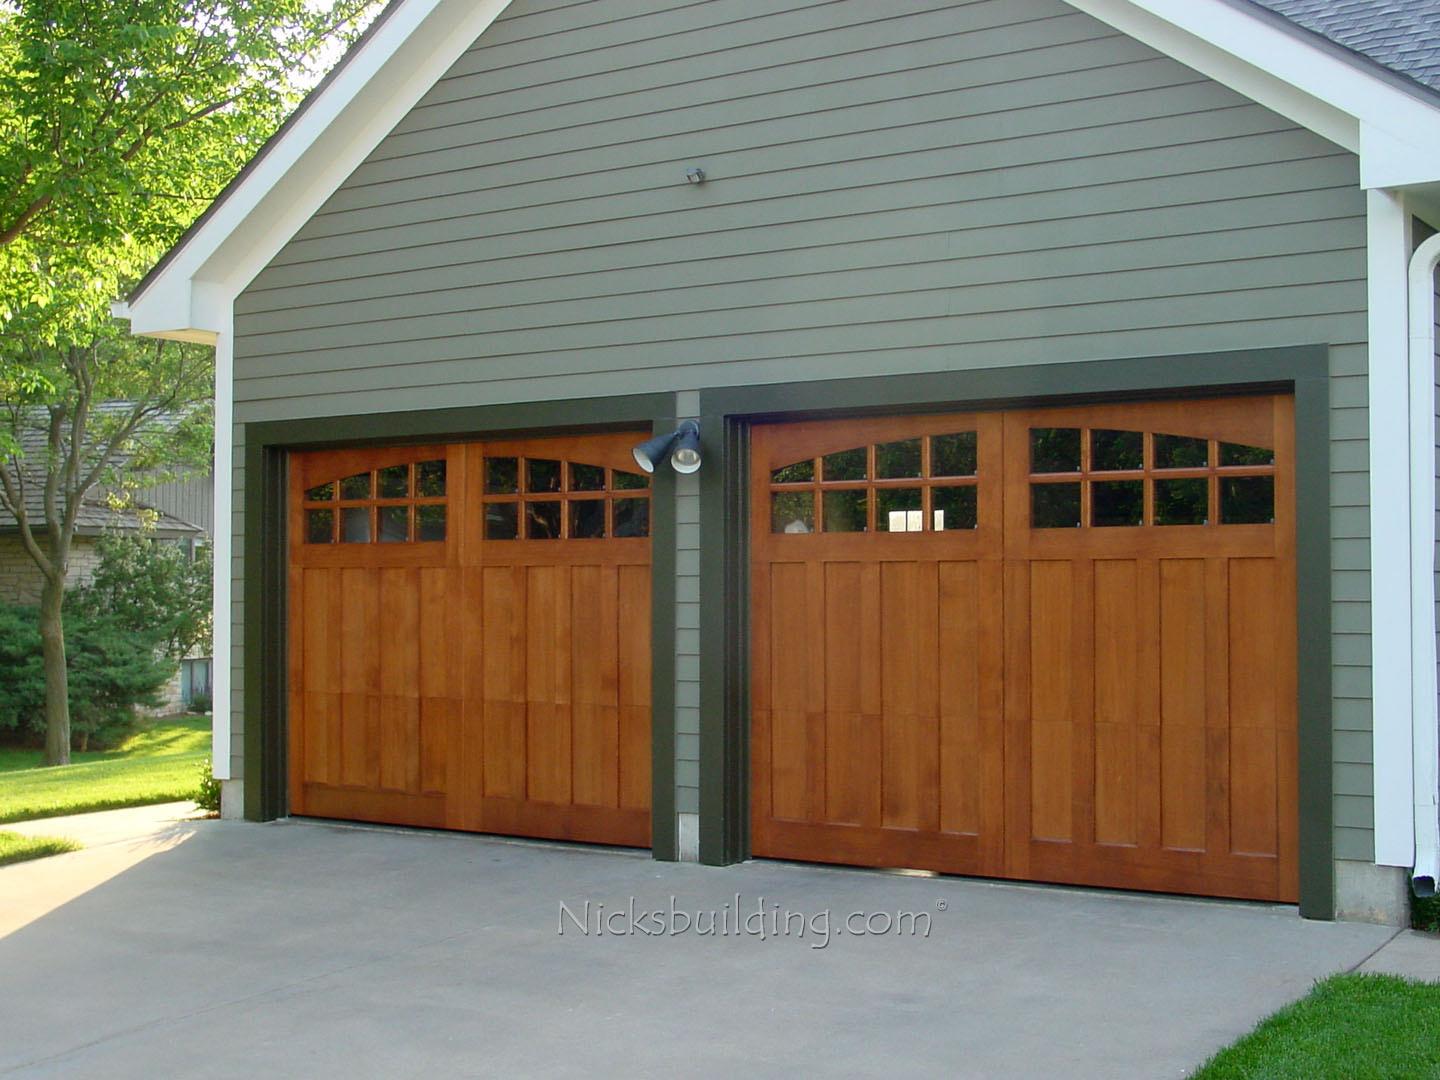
(470, 637)
(1090, 680)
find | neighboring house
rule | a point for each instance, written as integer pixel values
(180, 512)
(1067, 508)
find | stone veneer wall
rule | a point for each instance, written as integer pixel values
(20, 578)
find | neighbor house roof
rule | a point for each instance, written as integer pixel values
(96, 514)
(1402, 36)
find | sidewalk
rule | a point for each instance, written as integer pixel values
(110, 826)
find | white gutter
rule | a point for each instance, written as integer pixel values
(1423, 716)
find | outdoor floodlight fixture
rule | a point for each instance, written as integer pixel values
(681, 446)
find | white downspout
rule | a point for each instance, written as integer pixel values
(1423, 715)
(222, 550)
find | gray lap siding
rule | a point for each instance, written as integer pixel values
(917, 187)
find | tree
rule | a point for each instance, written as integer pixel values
(119, 122)
(113, 406)
(152, 588)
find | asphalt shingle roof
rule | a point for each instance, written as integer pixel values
(1401, 35)
(95, 515)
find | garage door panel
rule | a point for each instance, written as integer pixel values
(596, 750)
(319, 764)
(1115, 707)
(440, 723)
(504, 749)
(399, 743)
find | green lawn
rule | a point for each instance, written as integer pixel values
(160, 763)
(1350, 1027)
(17, 848)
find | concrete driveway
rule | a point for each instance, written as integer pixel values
(219, 949)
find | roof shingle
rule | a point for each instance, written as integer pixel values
(1400, 35)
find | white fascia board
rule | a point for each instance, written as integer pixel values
(1395, 133)
(346, 120)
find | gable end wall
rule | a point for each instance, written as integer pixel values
(918, 186)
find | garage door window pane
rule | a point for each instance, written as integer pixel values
(395, 482)
(1054, 450)
(587, 519)
(542, 521)
(587, 478)
(323, 493)
(898, 460)
(430, 523)
(355, 525)
(502, 476)
(1182, 502)
(899, 510)
(1118, 502)
(632, 517)
(320, 526)
(1238, 454)
(1054, 506)
(954, 508)
(801, 472)
(792, 512)
(1247, 500)
(355, 487)
(846, 465)
(502, 521)
(953, 455)
(629, 481)
(1112, 451)
(394, 524)
(845, 511)
(1181, 452)
(542, 475)
(430, 479)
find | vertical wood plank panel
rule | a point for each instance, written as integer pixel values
(1182, 703)
(1117, 648)
(1050, 668)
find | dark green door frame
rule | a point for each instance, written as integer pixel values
(267, 449)
(728, 413)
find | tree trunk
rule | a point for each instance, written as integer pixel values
(57, 676)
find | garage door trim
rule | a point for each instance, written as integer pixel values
(728, 413)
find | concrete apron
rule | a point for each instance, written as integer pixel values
(226, 949)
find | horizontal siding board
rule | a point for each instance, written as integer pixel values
(1355, 844)
(1354, 747)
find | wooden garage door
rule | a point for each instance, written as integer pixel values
(470, 637)
(1053, 645)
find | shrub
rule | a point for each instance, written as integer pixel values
(207, 794)
(113, 670)
(200, 702)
